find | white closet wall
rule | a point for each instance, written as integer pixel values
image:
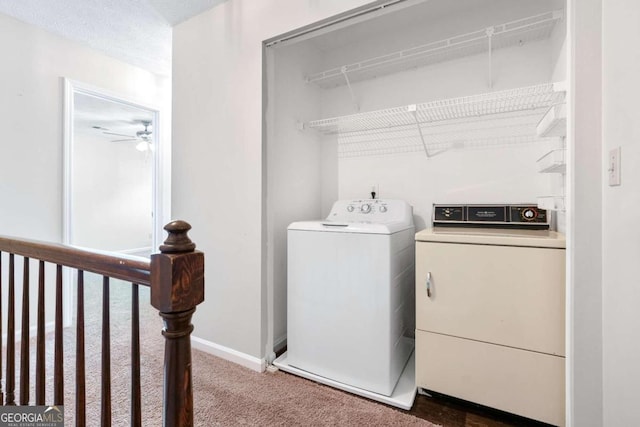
(294, 178)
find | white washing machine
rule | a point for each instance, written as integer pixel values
(350, 307)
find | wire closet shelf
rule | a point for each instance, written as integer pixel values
(532, 28)
(490, 119)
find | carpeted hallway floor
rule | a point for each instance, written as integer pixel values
(225, 394)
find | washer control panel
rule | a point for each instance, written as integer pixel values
(370, 210)
(367, 206)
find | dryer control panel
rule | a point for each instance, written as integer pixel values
(510, 216)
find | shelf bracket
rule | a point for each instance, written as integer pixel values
(490, 31)
(413, 109)
(343, 70)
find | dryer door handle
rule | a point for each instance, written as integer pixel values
(429, 284)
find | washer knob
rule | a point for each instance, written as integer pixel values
(383, 209)
(365, 208)
(350, 208)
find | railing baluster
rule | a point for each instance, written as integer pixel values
(136, 401)
(81, 416)
(106, 356)
(1, 382)
(40, 340)
(58, 366)
(11, 334)
(24, 342)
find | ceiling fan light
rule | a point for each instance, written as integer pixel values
(142, 146)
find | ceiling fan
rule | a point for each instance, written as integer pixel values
(145, 135)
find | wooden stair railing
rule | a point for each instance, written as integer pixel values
(176, 278)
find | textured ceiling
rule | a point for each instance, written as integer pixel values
(135, 31)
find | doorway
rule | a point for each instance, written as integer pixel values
(111, 171)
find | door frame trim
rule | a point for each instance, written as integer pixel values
(72, 87)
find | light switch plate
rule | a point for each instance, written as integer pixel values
(613, 166)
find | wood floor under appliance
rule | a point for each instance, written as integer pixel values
(451, 412)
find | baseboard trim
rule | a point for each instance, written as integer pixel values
(235, 356)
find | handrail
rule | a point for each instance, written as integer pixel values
(123, 267)
(175, 276)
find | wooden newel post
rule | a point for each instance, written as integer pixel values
(177, 287)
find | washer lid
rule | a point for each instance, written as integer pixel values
(493, 236)
(327, 226)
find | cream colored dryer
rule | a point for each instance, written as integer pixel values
(490, 318)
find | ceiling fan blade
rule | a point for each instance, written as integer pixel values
(124, 140)
(119, 134)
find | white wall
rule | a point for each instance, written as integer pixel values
(294, 175)
(620, 205)
(584, 314)
(218, 170)
(31, 111)
(490, 175)
(503, 174)
(560, 57)
(31, 119)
